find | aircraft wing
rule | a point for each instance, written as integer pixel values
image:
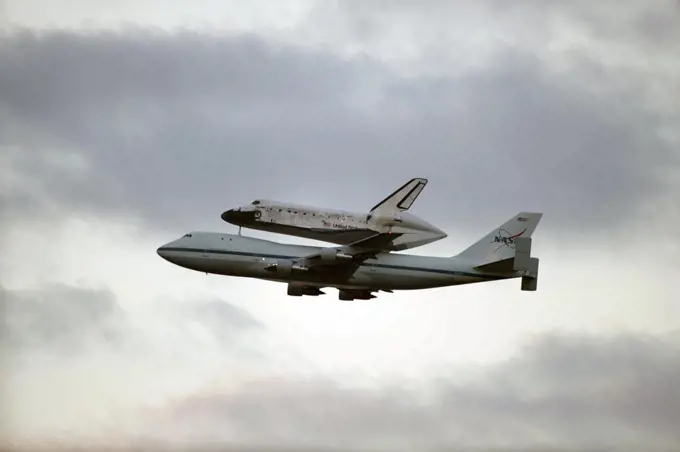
(378, 241)
(342, 259)
(354, 253)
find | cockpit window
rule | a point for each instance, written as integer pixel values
(187, 235)
(256, 202)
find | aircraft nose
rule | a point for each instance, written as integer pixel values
(229, 215)
(162, 252)
(238, 216)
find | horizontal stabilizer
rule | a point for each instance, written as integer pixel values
(502, 266)
(403, 198)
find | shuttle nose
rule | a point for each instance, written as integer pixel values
(229, 215)
(239, 217)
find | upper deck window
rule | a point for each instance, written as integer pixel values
(256, 202)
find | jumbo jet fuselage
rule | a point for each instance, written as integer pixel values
(505, 252)
(334, 226)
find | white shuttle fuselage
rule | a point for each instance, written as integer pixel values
(334, 226)
(387, 218)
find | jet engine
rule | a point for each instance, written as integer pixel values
(298, 290)
(347, 295)
(332, 254)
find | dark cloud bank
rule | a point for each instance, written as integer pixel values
(176, 127)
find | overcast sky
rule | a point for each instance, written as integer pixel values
(124, 125)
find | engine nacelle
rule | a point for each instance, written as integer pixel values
(328, 254)
(332, 254)
(295, 290)
(346, 295)
(298, 290)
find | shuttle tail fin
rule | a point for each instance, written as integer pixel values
(403, 198)
(507, 247)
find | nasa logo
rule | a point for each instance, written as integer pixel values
(504, 238)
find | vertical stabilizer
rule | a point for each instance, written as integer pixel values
(511, 240)
(401, 199)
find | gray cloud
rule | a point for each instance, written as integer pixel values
(176, 127)
(69, 319)
(225, 321)
(652, 25)
(562, 391)
(58, 318)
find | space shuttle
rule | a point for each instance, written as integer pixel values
(387, 226)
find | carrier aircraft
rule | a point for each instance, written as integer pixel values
(387, 218)
(358, 271)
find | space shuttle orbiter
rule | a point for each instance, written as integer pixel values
(388, 225)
